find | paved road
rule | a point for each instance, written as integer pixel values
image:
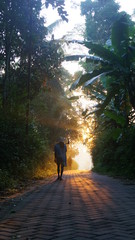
(83, 206)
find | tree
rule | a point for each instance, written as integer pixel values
(27, 61)
(59, 5)
(100, 15)
(116, 65)
(111, 84)
(18, 25)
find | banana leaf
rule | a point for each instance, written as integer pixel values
(116, 133)
(104, 53)
(85, 77)
(97, 95)
(101, 107)
(92, 80)
(55, 24)
(75, 57)
(120, 35)
(117, 117)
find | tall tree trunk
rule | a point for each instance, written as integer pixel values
(9, 30)
(29, 67)
(7, 60)
(28, 93)
(6, 78)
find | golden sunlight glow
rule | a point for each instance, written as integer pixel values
(84, 102)
(85, 133)
(84, 136)
(83, 158)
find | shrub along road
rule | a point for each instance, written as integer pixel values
(84, 205)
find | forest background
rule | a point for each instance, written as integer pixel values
(34, 108)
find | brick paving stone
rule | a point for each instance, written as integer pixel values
(85, 205)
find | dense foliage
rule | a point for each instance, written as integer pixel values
(111, 83)
(100, 15)
(31, 98)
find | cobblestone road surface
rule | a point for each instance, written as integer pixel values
(83, 206)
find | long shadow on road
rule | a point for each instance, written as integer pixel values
(84, 205)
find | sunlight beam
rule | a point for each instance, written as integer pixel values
(84, 158)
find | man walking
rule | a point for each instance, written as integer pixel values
(60, 150)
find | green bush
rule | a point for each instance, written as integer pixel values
(21, 153)
(6, 181)
(115, 156)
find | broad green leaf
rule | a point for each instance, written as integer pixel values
(85, 77)
(75, 84)
(75, 57)
(120, 35)
(98, 96)
(117, 117)
(101, 107)
(115, 133)
(92, 80)
(103, 53)
(92, 58)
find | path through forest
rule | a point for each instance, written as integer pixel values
(84, 205)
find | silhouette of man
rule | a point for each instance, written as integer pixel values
(60, 150)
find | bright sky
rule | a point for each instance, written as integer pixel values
(83, 159)
(72, 7)
(127, 5)
(74, 17)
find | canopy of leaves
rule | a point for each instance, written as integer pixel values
(100, 15)
(27, 102)
(114, 92)
(59, 5)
